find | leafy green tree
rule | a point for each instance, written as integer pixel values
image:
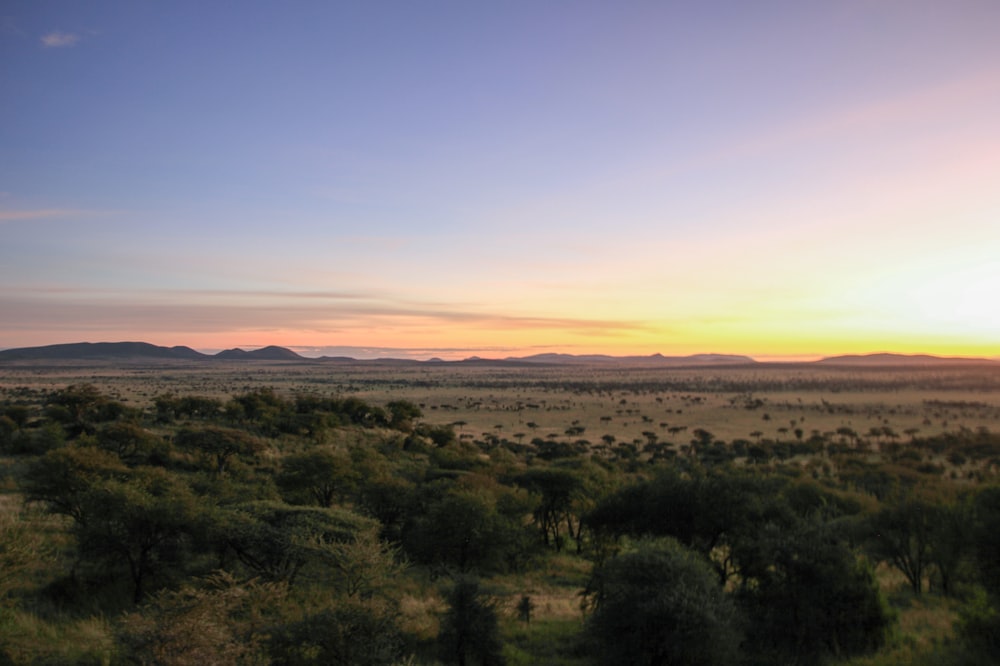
(902, 534)
(33, 440)
(137, 517)
(63, 479)
(660, 603)
(262, 409)
(388, 499)
(463, 529)
(351, 632)
(275, 541)
(218, 623)
(80, 407)
(219, 445)
(168, 407)
(362, 567)
(440, 435)
(7, 429)
(986, 539)
(952, 542)
(141, 521)
(978, 625)
(402, 413)
(317, 476)
(706, 513)
(807, 597)
(470, 632)
(131, 442)
(557, 489)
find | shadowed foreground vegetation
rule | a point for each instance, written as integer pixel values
(297, 526)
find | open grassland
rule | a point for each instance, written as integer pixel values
(767, 402)
(531, 479)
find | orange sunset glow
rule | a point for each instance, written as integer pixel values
(786, 181)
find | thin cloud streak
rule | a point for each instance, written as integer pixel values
(87, 314)
(57, 39)
(42, 214)
(52, 214)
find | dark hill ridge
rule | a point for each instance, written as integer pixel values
(269, 353)
(885, 359)
(140, 350)
(91, 350)
(654, 360)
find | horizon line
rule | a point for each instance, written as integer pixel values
(316, 352)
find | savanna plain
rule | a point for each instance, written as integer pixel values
(376, 512)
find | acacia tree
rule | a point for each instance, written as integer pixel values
(63, 478)
(467, 530)
(275, 541)
(138, 517)
(219, 445)
(902, 535)
(557, 489)
(316, 476)
(217, 623)
(661, 603)
(807, 596)
(142, 521)
(470, 632)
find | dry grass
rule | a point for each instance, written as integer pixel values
(619, 402)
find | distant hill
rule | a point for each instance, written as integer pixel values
(270, 353)
(653, 361)
(144, 350)
(139, 350)
(92, 350)
(899, 359)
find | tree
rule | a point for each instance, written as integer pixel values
(275, 541)
(141, 521)
(351, 632)
(703, 512)
(557, 489)
(219, 445)
(362, 567)
(807, 596)
(660, 603)
(902, 535)
(470, 633)
(525, 609)
(63, 478)
(129, 441)
(138, 517)
(467, 529)
(402, 414)
(80, 407)
(979, 619)
(316, 476)
(216, 623)
(986, 539)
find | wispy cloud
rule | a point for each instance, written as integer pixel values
(58, 39)
(54, 307)
(43, 214)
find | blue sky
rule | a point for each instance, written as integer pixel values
(446, 178)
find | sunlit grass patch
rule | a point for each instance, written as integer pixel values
(544, 641)
(924, 628)
(28, 639)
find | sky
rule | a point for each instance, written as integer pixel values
(781, 179)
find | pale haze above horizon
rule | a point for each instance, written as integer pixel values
(783, 180)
